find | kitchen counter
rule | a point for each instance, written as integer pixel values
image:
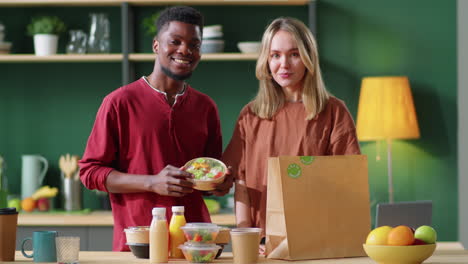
(95, 218)
(446, 253)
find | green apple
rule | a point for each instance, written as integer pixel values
(15, 202)
(426, 233)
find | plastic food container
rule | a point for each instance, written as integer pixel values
(199, 253)
(137, 234)
(139, 250)
(201, 233)
(207, 171)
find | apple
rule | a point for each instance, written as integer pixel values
(15, 202)
(426, 233)
(43, 204)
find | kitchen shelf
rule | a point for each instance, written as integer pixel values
(16, 3)
(134, 57)
(62, 58)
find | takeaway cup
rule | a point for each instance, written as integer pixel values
(43, 244)
(8, 226)
(245, 244)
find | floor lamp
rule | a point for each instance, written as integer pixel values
(386, 112)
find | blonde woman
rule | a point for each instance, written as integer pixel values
(292, 114)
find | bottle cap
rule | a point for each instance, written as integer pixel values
(159, 211)
(177, 209)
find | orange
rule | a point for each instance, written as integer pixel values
(28, 204)
(400, 236)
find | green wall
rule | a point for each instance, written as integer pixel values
(415, 38)
(49, 108)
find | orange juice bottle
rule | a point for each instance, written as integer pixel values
(159, 236)
(176, 234)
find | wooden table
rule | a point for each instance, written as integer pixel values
(446, 253)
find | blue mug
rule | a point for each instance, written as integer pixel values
(43, 245)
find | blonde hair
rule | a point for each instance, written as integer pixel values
(270, 97)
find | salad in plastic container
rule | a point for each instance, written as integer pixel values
(207, 172)
(200, 232)
(199, 253)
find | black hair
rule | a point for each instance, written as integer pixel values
(184, 14)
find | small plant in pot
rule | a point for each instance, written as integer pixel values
(46, 31)
(149, 24)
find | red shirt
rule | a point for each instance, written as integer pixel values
(136, 131)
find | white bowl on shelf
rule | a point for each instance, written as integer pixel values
(5, 47)
(249, 46)
(213, 32)
(212, 46)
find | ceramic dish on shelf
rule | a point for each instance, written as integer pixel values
(212, 46)
(249, 46)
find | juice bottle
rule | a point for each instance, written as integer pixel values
(159, 236)
(177, 234)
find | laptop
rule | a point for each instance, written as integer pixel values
(413, 214)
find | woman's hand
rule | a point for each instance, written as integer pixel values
(172, 181)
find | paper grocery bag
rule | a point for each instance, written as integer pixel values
(317, 207)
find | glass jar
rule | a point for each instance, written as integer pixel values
(77, 43)
(99, 34)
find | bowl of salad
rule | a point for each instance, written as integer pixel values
(196, 253)
(202, 233)
(207, 172)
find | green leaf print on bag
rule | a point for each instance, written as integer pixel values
(294, 170)
(307, 160)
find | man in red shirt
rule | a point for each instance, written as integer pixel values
(146, 130)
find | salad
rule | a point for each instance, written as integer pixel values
(199, 254)
(205, 168)
(200, 232)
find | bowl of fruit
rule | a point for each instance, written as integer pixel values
(400, 245)
(207, 172)
(199, 253)
(202, 233)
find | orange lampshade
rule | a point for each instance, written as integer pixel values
(386, 109)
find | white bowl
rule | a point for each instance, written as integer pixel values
(5, 47)
(214, 31)
(249, 46)
(212, 46)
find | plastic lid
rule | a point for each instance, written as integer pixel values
(159, 211)
(197, 246)
(178, 209)
(8, 211)
(191, 226)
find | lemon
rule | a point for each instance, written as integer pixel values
(378, 236)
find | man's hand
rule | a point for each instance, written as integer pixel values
(224, 187)
(172, 181)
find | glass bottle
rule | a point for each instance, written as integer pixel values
(177, 236)
(159, 237)
(77, 43)
(99, 34)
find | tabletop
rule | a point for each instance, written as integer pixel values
(446, 253)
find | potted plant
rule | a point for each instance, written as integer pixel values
(45, 30)
(149, 24)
